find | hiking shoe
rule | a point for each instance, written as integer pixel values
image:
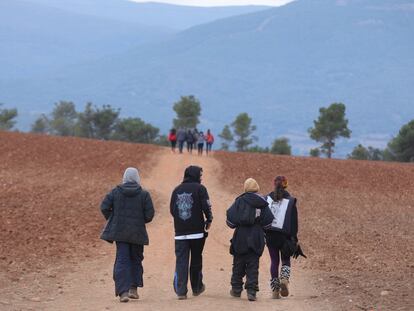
(251, 296)
(276, 294)
(235, 293)
(284, 287)
(133, 293)
(182, 297)
(203, 288)
(275, 287)
(124, 297)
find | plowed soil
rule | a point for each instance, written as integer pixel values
(356, 226)
(356, 223)
(50, 188)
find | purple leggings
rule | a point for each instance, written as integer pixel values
(275, 255)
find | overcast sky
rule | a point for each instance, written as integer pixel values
(221, 2)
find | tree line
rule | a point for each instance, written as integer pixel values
(105, 123)
(330, 125)
(95, 122)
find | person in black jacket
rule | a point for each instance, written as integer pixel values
(190, 206)
(190, 141)
(127, 208)
(281, 238)
(249, 215)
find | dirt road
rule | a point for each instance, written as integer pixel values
(90, 287)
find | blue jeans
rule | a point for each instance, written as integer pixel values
(128, 268)
(208, 147)
(183, 249)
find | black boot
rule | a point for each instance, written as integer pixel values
(235, 293)
(251, 295)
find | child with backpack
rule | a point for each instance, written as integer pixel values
(249, 215)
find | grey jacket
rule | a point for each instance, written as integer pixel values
(181, 135)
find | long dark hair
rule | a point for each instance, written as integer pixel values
(280, 186)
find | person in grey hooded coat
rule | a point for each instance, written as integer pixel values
(127, 208)
(181, 138)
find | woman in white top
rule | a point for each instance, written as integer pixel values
(281, 238)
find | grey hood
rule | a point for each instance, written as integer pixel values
(131, 175)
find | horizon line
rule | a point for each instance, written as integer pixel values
(226, 3)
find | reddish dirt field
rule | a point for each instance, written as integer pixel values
(356, 226)
(356, 223)
(50, 188)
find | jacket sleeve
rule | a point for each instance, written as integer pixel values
(107, 205)
(267, 218)
(172, 203)
(295, 222)
(148, 208)
(230, 219)
(205, 204)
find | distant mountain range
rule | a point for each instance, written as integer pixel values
(36, 39)
(279, 65)
(175, 17)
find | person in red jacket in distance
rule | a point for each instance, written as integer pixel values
(209, 141)
(172, 138)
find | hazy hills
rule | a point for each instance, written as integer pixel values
(279, 65)
(152, 13)
(36, 38)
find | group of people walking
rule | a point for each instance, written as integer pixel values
(192, 138)
(257, 221)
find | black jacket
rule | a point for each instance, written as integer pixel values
(190, 204)
(190, 137)
(290, 225)
(249, 215)
(127, 208)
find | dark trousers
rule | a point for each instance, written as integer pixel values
(173, 144)
(275, 256)
(190, 147)
(208, 147)
(245, 265)
(128, 268)
(181, 146)
(200, 148)
(183, 249)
